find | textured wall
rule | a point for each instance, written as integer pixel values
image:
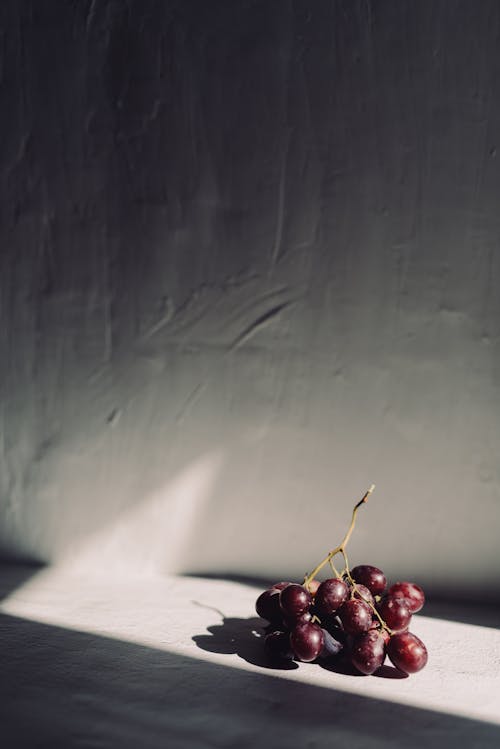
(250, 264)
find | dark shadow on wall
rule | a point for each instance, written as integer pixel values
(62, 689)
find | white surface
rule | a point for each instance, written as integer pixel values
(455, 696)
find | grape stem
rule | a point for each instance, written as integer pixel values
(334, 570)
(340, 549)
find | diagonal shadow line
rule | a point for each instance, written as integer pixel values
(62, 688)
(12, 576)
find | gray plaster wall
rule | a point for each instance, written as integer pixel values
(250, 264)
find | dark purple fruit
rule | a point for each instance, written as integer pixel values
(293, 621)
(294, 600)
(368, 651)
(313, 587)
(395, 613)
(362, 592)
(331, 646)
(330, 596)
(267, 605)
(307, 641)
(375, 625)
(413, 593)
(356, 616)
(372, 577)
(407, 652)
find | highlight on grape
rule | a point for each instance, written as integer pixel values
(350, 617)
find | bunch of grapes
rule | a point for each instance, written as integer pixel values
(351, 615)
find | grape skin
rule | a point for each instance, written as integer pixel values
(268, 605)
(331, 646)
(356, 616)
(407, 652)
(395, 613)
(372, 577)
(280, 586)
(330, 595)
(293, 621)
(368, 652)
(313, 587)
(307, 641)
(362, 592)
(295, 600)
(384, 634)
(413, 593)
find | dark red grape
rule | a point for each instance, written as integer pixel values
(395, 613)
(372, 577)
(307, 641)
(411, 591)
(331, 645)
(361, 591)
(375, 625)
(293, 621)
(407, 652)
(356, 616)
(277, 644)
(334, 626)
(268, 605)
(313, 587)
(330, 596)
(280, 586)
(368, 651)
(294, 600)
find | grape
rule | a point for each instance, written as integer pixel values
(313, 587)
(361, 591)
(330, 596)
(355, 615)
(277, 644)
(350, 619)
(384, 634)
(372, 577)
(294, 600)
(395, 612)
(307, 641)
(407, 652)
(293, 621)
(375, 625)
(368, 652)
(412, 592)
(268, 605)
(334, 627)
(331, 646)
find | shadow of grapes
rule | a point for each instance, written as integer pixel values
(243, 637)
(390, 672)
(342, 665)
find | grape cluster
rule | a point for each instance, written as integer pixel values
(352, 616)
